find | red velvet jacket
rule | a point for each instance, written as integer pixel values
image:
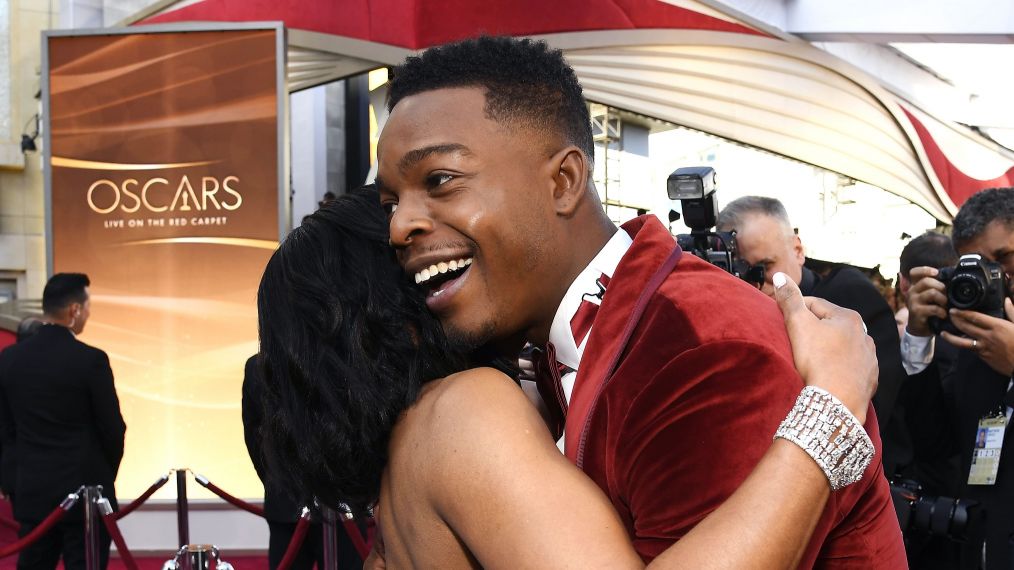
(682, 385)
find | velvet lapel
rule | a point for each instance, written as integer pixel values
(647, 263)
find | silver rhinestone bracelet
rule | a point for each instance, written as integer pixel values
(829, 433)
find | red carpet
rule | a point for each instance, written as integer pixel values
(8, 536)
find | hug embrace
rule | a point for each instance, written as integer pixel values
(701, 423)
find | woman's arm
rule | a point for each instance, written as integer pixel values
(497, 479)
(768, 521)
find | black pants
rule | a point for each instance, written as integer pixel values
(66, 539)
(312, 550)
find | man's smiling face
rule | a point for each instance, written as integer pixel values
(472, 216)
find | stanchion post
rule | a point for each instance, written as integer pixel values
(182, 511)
(93, 560)
(330, 544)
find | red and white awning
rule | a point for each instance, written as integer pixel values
(676, 60)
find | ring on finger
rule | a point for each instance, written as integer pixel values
(975, 344)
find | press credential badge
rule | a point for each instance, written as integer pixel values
(986, 454)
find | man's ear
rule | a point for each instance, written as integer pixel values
(570, 179)
(797, 249)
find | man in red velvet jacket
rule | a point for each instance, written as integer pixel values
(678, 374)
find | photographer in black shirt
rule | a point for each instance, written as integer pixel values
(981, 376)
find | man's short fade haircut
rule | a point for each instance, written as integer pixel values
(983, 208)
(931, 249)
(526, 82)
(732, 215)
(63, 289)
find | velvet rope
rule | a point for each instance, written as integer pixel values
(11, 524)
(238, 503)
(121, 545)
(355, 536)
(298, 537)
(140, 500)
(47, 523)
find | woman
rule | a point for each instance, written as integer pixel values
(369, 405)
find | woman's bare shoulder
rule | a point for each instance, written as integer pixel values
(471, 395)
(475, 408)
(475, 386)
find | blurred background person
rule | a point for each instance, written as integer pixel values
(933, 471)
(28, 327)
(931, 249)
(60, 413)
(766, 237)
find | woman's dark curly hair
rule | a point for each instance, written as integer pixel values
(346, 344)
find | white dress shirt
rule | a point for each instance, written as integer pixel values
(568, 352)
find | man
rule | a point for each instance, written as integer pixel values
(931, 249)
(485, 167)
(981, 376)
(26, 328)
(936, 470)
(766, 237)
(924, 399)
(60, 412)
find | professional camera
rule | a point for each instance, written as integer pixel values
(960, 520)
(695, 188)
(973, 285)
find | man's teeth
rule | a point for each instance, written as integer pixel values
(442, 267)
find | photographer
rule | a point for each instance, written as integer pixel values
(981, 376)
(931, 474)
(766, 238)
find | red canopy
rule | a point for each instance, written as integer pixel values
(417, 24)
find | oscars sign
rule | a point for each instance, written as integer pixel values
(166, 185)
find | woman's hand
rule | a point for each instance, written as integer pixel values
(829, 346)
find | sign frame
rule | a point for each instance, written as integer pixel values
(282, 94)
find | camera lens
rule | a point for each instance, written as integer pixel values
(965, 291)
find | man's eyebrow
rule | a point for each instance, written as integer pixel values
(412, 157)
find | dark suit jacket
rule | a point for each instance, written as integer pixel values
(692, 404)
(279, 506)
(849, 288)
(927, 401)
(946, 422)
(60, 413)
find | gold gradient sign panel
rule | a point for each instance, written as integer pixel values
(164, 188)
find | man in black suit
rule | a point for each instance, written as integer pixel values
(766, 237)
(281, 509)
(926, 399)
(981, 379)
(26, 328)
(60, 413)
